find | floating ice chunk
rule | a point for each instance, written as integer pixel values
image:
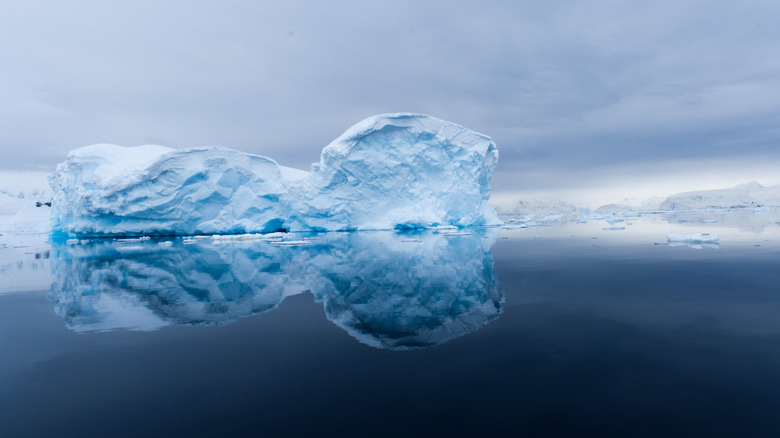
(692, 238)
(139, 239)
(514, 227)
(613, 228)
(392, 171)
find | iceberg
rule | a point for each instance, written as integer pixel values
(693, 238)
(748, 195)
(390, 171)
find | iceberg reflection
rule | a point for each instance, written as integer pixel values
(388, 290)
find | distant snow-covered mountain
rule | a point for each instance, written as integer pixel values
(540, 207)
(750, 194)
(747, 195)
(18, 189)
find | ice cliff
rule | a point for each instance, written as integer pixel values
(388, 171)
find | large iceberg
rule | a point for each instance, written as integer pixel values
(388, 171)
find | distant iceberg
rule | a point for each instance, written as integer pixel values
(748, 195)
(390, 171)
(693, 238)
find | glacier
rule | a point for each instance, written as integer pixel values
(390, 171)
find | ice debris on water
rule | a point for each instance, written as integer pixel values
(693, 238)
(695, 241)
(514, 227)
(139, 239)
(391, 171)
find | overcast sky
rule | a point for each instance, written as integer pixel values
(640, 96)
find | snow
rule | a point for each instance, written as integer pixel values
(541, 207)
(131, 248)
(18, 189)
(388, 171)
(28, 219)
(113, 190)
(751, 194)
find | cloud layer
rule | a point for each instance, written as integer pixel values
(567, 90)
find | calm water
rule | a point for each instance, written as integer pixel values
(564, 330)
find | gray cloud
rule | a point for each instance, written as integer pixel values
(565, 88)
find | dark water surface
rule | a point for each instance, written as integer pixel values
(538, 332)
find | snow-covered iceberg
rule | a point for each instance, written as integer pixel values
(748, 195)
(388, 171)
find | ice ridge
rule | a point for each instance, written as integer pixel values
(389, 171)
